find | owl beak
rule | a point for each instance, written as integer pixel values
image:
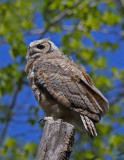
(32, 53)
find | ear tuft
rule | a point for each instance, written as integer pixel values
(46, 39)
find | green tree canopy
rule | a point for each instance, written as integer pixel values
(91, 31)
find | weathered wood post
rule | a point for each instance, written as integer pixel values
(57, 141)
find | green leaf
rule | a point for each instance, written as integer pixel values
(98, 63)
(115, 140)
(31, 121)
(110, 18)
(10, 142)
(9, 76)
(30, 147)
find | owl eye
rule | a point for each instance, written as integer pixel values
(40, 46)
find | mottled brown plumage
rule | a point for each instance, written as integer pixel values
(62, 88)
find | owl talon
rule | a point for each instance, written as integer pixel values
(46, 119)
(62, 120)
(42, 119)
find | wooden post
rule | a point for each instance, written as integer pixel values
(57, 141)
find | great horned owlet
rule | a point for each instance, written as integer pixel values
(63, 89)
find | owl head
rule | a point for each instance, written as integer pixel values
(39, 47)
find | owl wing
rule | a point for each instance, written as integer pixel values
(71, 87)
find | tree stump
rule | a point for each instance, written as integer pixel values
(57, 141)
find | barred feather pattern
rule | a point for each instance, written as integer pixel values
(89, 125)
(63, 89)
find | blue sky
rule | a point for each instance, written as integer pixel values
(18, 127)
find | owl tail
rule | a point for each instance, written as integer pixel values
(89, 125)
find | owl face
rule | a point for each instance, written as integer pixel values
(39, 47)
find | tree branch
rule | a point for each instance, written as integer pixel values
(8, 116)
(59, 17)
(56, 142)
(80, 28)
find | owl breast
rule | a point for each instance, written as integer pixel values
(50, 106)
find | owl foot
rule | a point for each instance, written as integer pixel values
(45, 119)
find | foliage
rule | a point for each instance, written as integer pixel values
(85, 29)
(9, 151)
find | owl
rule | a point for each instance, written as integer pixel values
(63, 89)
